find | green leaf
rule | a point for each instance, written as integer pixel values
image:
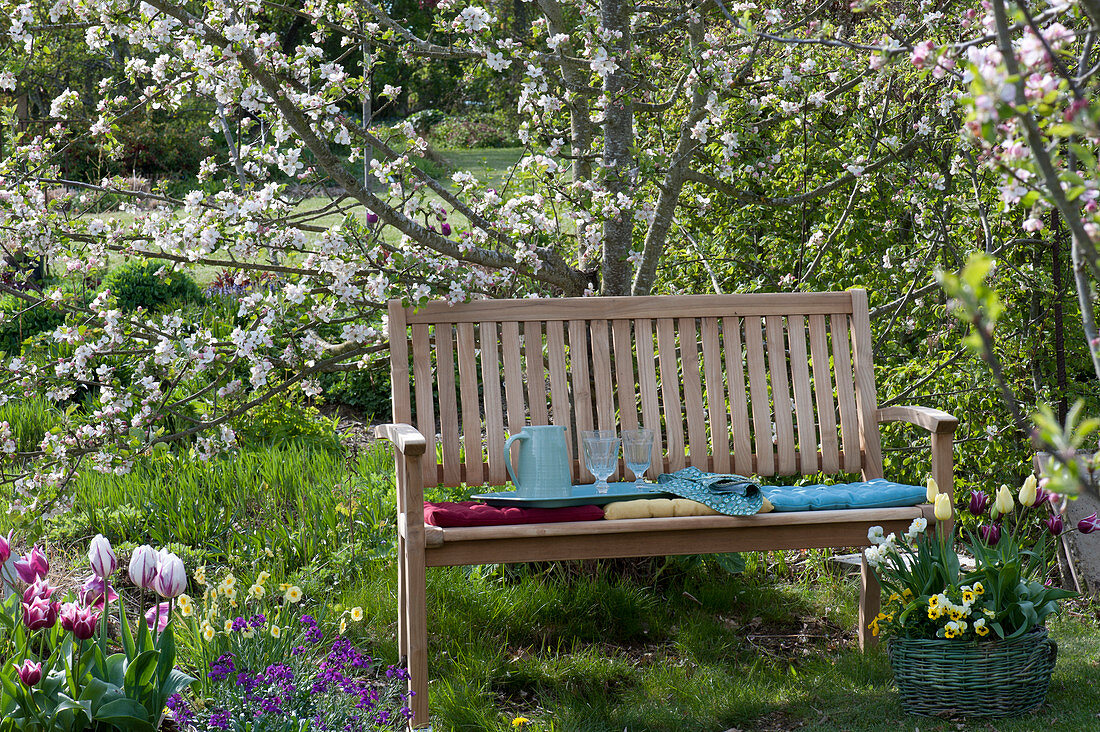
(126, 714)
(140, 673)
(1063, 130)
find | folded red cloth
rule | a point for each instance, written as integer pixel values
(472, 513)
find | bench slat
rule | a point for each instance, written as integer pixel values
(582, 390)
(823, 390)
(686, 306)
(448, 403)
(670, 393)
(781, 395)
(536, 373)
(494, 408)
(870, 440)
(471, 404)
(716, 395)
(647, 388)
(513, 380)
(698, 448)
(559, 384)
(739, 409)
(758, 393)
(624, 374)
(845, 392)
(803, 395)
(425, 404)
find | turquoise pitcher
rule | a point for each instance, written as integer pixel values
(543, 462)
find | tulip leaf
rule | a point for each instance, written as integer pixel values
(116, 669)
(140, 672)
(126, 714)
(128, 645)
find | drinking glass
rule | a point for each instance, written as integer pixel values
(637, 451)
(601, 454)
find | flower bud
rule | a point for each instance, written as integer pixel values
(171, 579)
(445, 229)
(32, 566)
(1055, 525)
(978, 503)
(933, 490)
(1004, 504)
(81, 622)
(1088, 524)
(1028, 491)
(372, 218)
(943, 507)
(143, 566)
(102, 557)
(990, 533)
(40, 613)
(5, 547)
(30, 673)
(1042, 496)
(95, 589)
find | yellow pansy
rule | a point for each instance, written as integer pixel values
(968, 596)
(979, 589)
(907, 594)
(934, 601)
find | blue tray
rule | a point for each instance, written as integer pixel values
(582, 495)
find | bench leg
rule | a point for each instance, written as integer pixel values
(870, 598)
(416, 637)
(402, 605)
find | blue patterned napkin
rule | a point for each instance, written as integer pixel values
(733, 495)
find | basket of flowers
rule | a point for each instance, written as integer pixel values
(972, 642)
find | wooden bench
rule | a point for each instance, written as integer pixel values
(769, 384)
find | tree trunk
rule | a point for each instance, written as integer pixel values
(618, 162)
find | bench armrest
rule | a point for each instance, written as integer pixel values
(934, 420)
(404, 437)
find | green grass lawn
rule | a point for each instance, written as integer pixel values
(701, 650)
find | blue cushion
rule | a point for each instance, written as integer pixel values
(876, 493)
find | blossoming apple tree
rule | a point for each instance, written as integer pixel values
(780, 146)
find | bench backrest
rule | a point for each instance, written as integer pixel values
(772, 384)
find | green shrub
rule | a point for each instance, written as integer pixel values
(18, 323)
(151, 285)
(473, 131)
(287, 419)
(424, 120)
(367, 390)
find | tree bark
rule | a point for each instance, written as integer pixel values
(618, 160)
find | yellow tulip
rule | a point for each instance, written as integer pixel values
(1003, 503)
(1027, 491)
(943, 507)
(933, 490)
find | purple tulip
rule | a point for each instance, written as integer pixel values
(32, 566)
(372, 218)
(1042, 496)
(81, 622)
(171, 579)
(1055, 524)
(40, 613)
(38, 588)
(978, 503)
(157, 616)
(5, 547)
(30, 673)
(143, 567)
(445, 228)
(102, 557)
(1088, 524)
(94, 590)
(991, 533)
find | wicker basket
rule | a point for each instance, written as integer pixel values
(988, 678)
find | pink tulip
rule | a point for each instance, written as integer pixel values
(30, 673)
(39, 588)
(445, 229)
(81, 622)
(32, 566)
(1088, 524)
(5, 547)
(94, 590)
(171, 579)
(40, 613)
(157, 616)
(1055, 524)
(143, 567)
(102, 557)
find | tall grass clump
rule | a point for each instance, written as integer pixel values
(30, 419)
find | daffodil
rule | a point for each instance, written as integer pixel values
(262, 577)
(228, 626)
(293, 594)
(276, 631)
(208, 632)
(357, 614)
(343, 626)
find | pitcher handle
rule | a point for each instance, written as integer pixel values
(508, 456)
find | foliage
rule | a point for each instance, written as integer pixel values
(477, 130)
(19, 321)
(366, 389)
(150, 285)
(287, 419)
(931, 596)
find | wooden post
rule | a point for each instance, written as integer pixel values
(416, 592)
(943, 470)
(870, 600)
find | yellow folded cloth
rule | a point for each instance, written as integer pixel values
(662, 508)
